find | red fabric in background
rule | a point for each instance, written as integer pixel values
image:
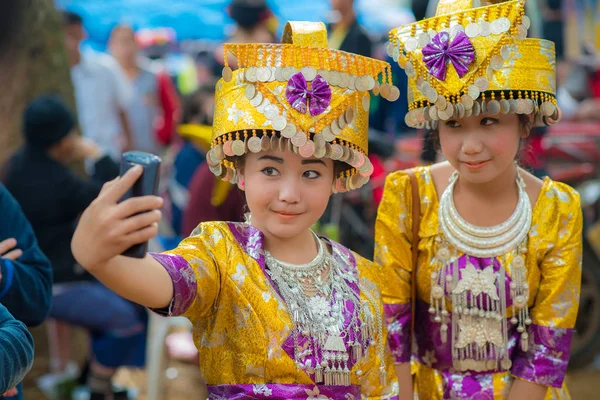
(169, 103)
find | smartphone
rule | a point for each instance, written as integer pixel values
(146, 185)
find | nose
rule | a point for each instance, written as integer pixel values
(472, 143)
(289, 191)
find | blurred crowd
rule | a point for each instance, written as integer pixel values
(129, 98)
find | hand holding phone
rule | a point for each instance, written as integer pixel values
(146, 185)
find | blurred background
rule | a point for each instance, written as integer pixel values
(140, 74)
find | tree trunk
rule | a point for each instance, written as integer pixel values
(33, 61)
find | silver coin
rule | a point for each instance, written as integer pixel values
(335, 128)
(426, 116)
(468, 113)
(410, 69)
(366, 103)
(493, 107)
(500, 25)
(265, 143)
(459, 110)
(257, 99)
(290, 147)
(341, 120)
(216, 170)
(476, 108)
(279, 74)
(485, 28)
(362, 83)
(411, 45)
(526, 22)
(336, 152)
(467, 101)
(385, 90)
(449, 110)
(254, 144)
(309, 73)
(497, 62)
(456, 29)
(377, 88)
(344, 80)
(529, 106)
(370, 82)
(504, 106)
(394, 94)
(211, 159)
(345, 154)
(482, 83)
(227, 73)
(505, 52)
(352, 82)
(273, 70)
(444, 115)
(548, 108)
(396, 54)
(521, 32)
(441, 103)
(324, 74)
(474, 92)
(279, 123)
(327, 134)
(319, 140)
(407, 119)
(423, 39)
(263, 74)
(489, 72)
(432, 95)
(389, 48)
(218, 152)
(472, 30)
(520, 106)
(263, 106)
(483, 107)
(513, 106)
(320, 151)
(334, 78)
(327, 151)
(433, 113)
(349, 115)
(271, 111)
(286, 73)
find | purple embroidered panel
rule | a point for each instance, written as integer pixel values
(442, 51)
(282, 391)
(546, 360)
(184, 283)
(398, 319)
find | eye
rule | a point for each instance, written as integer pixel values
(489, 121)
(311, 174)
(452, 124)
(270, 171)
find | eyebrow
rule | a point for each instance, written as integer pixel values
(272, 158)
(313, 161)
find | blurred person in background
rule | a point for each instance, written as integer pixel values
(102, 92)
(16, 352)
(254, 23)
(25, 283)
(345, 33)
(153, 108)
(196, 130)
(52, 198)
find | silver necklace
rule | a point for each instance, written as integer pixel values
(317, 295)
(480, 331)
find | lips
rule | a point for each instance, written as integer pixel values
(475, 164)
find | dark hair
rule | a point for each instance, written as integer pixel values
(71, 18)
(192, 104)
(248, 13)
(433, 135)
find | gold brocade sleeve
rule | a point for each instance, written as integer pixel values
(557, 300)
(393, 238)
(202, 276)
(556, 235)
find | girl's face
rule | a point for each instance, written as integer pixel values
(481, 147)
(286, 193)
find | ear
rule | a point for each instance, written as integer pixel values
(241, 182)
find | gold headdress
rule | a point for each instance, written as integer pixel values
(299, 96)
(475, 50)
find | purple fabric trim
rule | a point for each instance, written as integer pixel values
(298, 94)
(398, 320)
(282, 391)
(546, 360)
(184, 283)
(468, 386)
(441, 51)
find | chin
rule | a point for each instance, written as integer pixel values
(287, 229)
